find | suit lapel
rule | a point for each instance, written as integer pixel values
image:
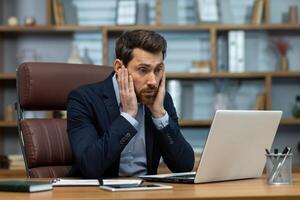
(110, 99)
(113, 111)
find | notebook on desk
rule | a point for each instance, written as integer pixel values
(234, 149)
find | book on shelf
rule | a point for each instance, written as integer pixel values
(126, 12)
(226, 12)
(260, 102)
(16, 161)
(58, 12)
(25, 186)
(208, 11)
(257, 12)
(174, 87)
(61, 12)
(236, 51)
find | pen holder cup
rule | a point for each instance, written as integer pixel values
(279, 169)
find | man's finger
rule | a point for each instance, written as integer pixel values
(122, 78)
(163, 82)
(119, 78)
(131, 86)
(126, 80)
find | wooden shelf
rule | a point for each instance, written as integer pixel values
(8, 76)
(243, 75)
(182, 123)
(228, 27)
(38, 28)
(164, 27)
(291, 121)
(8, 124)
(207, 123)
(286, 74)
(12, 173)
(192, 75)
(195, 123)
(215, 26)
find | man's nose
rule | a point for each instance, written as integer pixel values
(151, 79)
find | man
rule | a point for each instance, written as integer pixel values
(125, 124)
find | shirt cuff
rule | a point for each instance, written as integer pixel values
(161, 122)
(131, 120)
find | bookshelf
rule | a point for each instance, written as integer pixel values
(62, 36)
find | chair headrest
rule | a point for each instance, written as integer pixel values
(45, 86)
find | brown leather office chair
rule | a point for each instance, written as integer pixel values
(45, 86)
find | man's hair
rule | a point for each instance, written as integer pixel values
(147, 40)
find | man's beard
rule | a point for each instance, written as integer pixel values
(147, 95)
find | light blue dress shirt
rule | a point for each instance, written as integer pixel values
(133, 160)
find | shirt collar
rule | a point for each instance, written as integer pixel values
(116, 88)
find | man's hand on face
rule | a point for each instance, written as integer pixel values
(127, 93)
(157, 107)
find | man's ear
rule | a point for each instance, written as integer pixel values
(117, 65)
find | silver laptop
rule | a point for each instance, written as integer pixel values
(234, 149)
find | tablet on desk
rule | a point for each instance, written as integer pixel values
(133, 187)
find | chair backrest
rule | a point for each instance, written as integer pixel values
(45, 87)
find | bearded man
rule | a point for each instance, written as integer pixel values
(123, 125)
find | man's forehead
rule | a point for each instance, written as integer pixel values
(148, 58)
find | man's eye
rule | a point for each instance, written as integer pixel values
(158, 70)
(143, 70)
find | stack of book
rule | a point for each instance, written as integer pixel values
(16, 161)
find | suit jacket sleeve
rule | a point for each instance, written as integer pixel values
(176, 151)
(94, 151)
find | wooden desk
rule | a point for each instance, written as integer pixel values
(243, 189)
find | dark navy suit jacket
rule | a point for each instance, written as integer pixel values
(98, 134)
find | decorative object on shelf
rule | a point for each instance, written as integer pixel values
(296, 107)
(27, 55)
(86, 57)
(293, 14)
(208, 11)
(200, 66)
(75, 55)
(13, 21)
(126, 12)
(9, 113)
(29, 21)
(257, 12)
(281, 46)
(175, 89)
